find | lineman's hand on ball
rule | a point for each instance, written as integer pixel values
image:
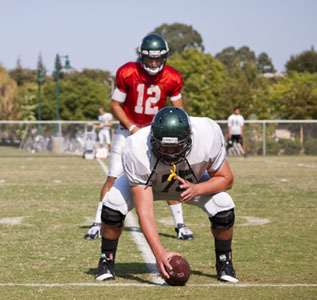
(163, 263)
(190, 189)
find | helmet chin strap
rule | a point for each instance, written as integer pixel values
(173, 175)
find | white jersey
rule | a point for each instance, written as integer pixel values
(105, 119)
(208, 153)
(235, 122)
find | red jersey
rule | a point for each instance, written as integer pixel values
(142, 94)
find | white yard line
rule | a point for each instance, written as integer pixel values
(104, 167)
(140, 241)
(238, 285)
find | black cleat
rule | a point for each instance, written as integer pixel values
(225, 271)
(105, 269)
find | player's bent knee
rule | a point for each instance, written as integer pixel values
(223, 219)
(112, 217)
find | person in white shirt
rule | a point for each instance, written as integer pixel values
(105, 123)
(235, 129)
(171, 159)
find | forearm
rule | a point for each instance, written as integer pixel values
(149, 229)
(120, 114)
(214, 185)
(144, 205)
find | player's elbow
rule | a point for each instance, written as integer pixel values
(230, 183)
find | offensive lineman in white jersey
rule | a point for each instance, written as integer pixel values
(171, 159)
(105, 123)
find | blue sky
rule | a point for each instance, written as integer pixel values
(104, 34)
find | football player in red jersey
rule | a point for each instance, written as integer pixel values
(141, 91)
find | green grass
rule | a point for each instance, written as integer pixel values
(58, 195)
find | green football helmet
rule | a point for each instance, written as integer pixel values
(171, 135)
(153, 46)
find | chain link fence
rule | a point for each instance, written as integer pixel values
(261, 137)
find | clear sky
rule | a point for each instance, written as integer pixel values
(104, 34)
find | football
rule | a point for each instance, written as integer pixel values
(180, 273)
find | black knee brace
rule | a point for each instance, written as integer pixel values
(223, 219)
(112, 217)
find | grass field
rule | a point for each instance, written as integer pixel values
(48, 202)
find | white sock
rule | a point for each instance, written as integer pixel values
(98, 213)
(177, 212)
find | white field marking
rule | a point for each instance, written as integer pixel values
(284, 180)
(140, 241)
(252, 221)
(12, 220)
(144, 247)
(269, 161)
(88, 220)
(306, 166)
(104, 167)
(167, 221)
(57, 181)
(102, 284)
(2, 181)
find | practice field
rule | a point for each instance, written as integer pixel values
(47, 204)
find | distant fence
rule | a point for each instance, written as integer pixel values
(261, 137)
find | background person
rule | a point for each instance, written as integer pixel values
(235, 129)
(171, 159)
(142, 89)
(104, 126)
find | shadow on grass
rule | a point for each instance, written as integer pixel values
(137, 229)
(199, 273)
(128, 271)
(134, 229)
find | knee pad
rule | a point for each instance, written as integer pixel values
(112, 217)
(223, 219)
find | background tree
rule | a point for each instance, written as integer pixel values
(180, 37)
(27, 98)
(80, 99)
(22, 75)
(9, 107)
(304, 62)
(264, 63)
(40, 65)
(295, 96)
(232, 58)
(203, 77)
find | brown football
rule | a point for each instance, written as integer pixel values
(180, 273)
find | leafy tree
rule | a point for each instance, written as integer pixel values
(227, 56)
(295, 96)
(304, 62)
(22, 75)
(40, 65)
(79, 98)
(26, 96)
(264, 63)
(180, 37)
(203, 77)
(231, 57)
(9, 107)
(243, 58)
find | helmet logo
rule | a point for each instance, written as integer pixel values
(169, 140)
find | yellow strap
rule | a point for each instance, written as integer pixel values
(173, 175)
